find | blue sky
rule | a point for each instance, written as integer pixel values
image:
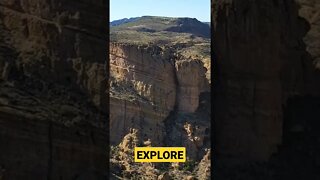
(199, 9)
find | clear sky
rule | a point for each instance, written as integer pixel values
(199, 9)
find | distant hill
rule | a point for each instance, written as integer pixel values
(156, 24)
(192, 26)
(122, 21)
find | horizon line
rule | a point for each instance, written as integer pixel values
(110, 20)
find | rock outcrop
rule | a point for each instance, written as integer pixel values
(53, 99)
(203, 170)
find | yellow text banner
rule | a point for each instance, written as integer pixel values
(160, 154)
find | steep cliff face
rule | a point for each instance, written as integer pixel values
(142, 91)
(192, 82)
(53, 102)
(149, 84)
(150, 71)
(266, 67)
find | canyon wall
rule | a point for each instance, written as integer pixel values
(148, 85)
(266, 52)
(53, 99)
(142, 91)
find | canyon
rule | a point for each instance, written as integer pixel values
(146, 87)
(159, 97)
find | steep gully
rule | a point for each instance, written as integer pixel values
(172, 117)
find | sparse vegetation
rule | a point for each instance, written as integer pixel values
(189, 165)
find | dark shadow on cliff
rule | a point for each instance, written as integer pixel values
(47, 120)
(298, 155)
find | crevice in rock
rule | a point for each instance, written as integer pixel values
(169, 122)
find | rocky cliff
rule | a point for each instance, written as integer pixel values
(142, 90)
(53, 99)
(147, 85)
(267, 85)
